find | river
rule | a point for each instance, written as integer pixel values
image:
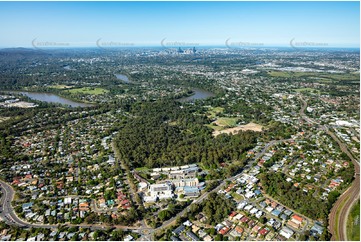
(198, 94)
(53, 98)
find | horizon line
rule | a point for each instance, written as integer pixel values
(185, 46)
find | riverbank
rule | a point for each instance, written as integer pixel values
(197, 93)
(51, 98)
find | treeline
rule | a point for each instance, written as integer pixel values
(255, 112)
(215, 208)
(164, 133)
(276, 186)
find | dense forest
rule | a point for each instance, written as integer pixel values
(165, 133)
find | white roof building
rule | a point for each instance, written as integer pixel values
(286, 232)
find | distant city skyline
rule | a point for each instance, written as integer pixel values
(179, 24)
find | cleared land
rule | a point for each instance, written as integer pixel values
(89, 90)
(353, 223)
(249, 126)
(60, 86)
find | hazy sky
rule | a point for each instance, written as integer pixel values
(203, 23)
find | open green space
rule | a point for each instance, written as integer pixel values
(142, 169)
(214, 127)
(213, 111)
(319, 77)
(236, 196)
(227, 121)
(288, 74)
(353, 223)
(89, 90)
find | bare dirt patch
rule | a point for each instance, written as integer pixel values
(249, 126)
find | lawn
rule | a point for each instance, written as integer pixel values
(142, 169)
(231, 122)
(318, 77)
(214, 111)
(353, 223)
(214, 127)
(288, 74)
(89, 90)
(237, 197)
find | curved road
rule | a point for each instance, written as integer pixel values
(341, 208)
(8, 214)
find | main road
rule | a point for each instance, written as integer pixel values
(9, 216)
(222, 184)
(341, 208)
(7, 213)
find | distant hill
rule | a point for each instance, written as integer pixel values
(22, 53)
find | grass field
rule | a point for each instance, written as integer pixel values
(237, 197)
(227, 122)
(288, 74)
(142, 169)
(353, 223)
(214, 111)
(214, 127)
(318, 77)
(89, 90)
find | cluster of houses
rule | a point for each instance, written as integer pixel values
(36, 178)
(189, 232)
(10, 101)
(241, 225)
(121, 203)
(256, 217)
(58, 209)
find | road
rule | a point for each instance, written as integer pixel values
(342, 206)
(346, 200)
(223, 183)
(10, 217)
(7, 212)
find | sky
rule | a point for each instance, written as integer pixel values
(113, 24)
